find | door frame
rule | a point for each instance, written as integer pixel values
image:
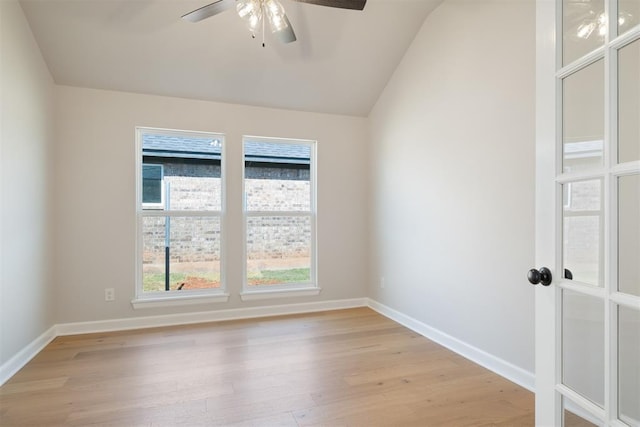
(547, 402)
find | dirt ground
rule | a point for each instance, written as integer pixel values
(196, 282)
(191, 282)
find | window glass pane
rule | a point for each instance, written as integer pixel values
(193, 251)
(277, 177)
(153, 254)
(629, 234)
(583, 118)
(628, 15)
(583, 345)
(191, 168)
(628, 366)
(629, 103)
(583, 28)
(582, 231)
(152, 184)
(278, 181)
(278, 250)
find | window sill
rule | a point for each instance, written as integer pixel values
(173, 301)
(278, 293)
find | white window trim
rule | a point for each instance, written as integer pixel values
(258, 292)
(179, 300)
(184, 297)
(262, 294)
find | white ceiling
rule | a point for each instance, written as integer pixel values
(340, 63)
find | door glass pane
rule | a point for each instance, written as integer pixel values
(583, 345)
(629, 103)
(582, 231)
(583, 28)
(629, 234)
(628, 15)
(583, 118)
(628, 366)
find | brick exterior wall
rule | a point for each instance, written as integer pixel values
(582, 234)
(198, 187)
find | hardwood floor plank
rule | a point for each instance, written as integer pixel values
(31, 386)
(349, 367)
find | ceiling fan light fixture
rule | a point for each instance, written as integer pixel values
(251, 12)
(255, 13)
(278, 21)
(285, 35)
(274, 7)
(276, 15)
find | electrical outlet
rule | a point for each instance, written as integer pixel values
(382, 282)
(109, 294)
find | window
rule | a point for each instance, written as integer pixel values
(179, 216)
(152, 186)
(279, 207)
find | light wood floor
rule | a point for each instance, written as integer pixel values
(348, 367)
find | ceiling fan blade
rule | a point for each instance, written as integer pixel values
(286, 35)
(342, 4)
(209, 10)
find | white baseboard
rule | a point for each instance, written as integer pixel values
(17, 362)
(205, 316)
(501, 367)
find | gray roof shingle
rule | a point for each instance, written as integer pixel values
(209, 148)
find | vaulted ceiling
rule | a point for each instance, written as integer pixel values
(340, 63)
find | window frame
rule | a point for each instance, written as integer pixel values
(144, 299)
(256, 292)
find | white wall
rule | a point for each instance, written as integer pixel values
(26, 137)
(95, 195)
(452, 170)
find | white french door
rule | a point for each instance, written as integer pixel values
(588, 213)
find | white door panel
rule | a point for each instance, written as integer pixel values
(588, 212)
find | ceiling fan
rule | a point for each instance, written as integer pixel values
(256, 12)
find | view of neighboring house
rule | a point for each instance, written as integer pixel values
(183, 174)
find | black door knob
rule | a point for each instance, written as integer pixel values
(540, 276)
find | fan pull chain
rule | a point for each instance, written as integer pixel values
(263, 19)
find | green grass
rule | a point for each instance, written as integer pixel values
(287, 276)
(154, 282)
(273, 277)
